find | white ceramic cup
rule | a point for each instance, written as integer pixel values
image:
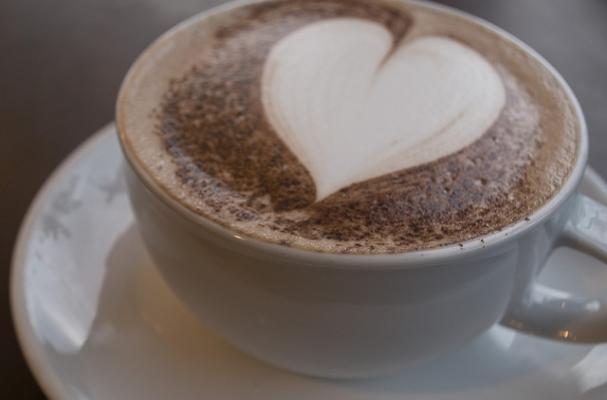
(338, 315)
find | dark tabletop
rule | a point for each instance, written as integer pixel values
(62, 61)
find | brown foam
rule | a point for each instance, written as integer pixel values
(230, 166)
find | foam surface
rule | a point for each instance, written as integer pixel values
(350, 126)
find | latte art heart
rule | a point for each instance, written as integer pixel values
(352, 107)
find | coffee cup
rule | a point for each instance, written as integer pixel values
(339, 315)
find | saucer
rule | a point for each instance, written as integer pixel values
(96, 321)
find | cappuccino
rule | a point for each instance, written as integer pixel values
(351, 126)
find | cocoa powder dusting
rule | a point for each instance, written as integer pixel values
(212, 123)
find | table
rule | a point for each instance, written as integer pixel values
(62, 61)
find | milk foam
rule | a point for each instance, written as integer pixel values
(353, 105)
(213, 117)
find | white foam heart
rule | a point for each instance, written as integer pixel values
(351, 107)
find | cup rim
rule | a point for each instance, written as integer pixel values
(409, 259)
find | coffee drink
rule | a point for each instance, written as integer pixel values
(354, 126)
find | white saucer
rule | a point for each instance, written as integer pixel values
(96, 321)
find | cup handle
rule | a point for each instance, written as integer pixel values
(559, 315)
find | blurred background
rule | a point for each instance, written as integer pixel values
(62, 61)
